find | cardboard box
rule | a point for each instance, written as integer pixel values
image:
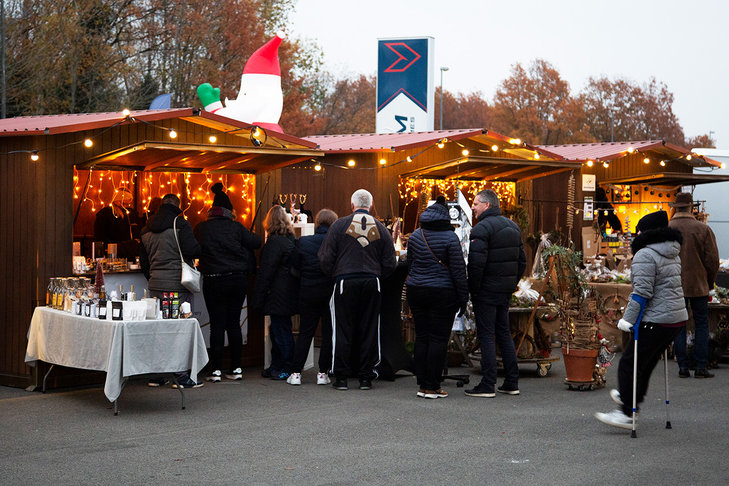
(590, 242)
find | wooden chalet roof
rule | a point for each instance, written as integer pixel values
(243, 151)
(490, 154)
(607, 151)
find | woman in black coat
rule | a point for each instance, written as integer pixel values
(436, 289)
(226, 249)
(315, 292)
(277, 290)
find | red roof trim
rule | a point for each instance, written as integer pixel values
(243, 125)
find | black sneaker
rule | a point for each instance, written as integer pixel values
(187, 383)
(365, 384)
(684, 373)
(266, 373)
(340, 384)
(157, 382)
(481, 391)
(703, 374)
(508, 390)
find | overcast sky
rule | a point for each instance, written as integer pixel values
(684, 44)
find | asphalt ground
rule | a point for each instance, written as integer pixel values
(259, 431)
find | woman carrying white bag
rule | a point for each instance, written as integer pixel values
(160, 259)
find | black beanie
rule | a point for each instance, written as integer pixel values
(221, 199)
(656, 220)
(441, 200)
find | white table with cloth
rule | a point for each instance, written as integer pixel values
(120, 348)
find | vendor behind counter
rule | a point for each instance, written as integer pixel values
(119, 223)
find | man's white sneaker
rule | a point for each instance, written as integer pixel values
(616, 418)
(236, 374)
(294, 379)
(322, 379)
(215, 376)
(615, 395)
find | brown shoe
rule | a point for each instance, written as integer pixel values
(440, 393)
(703, 374)
(421, 392)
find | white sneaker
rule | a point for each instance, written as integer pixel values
(616, 418)
(215, 376)
(615, 395)
(294, 379)
(236, 374)
(322, 379)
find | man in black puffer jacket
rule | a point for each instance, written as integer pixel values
(496, 262)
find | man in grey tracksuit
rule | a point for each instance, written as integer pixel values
(357, 252)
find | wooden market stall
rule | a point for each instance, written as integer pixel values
(638, 177)
(58, 170)
(404, 170)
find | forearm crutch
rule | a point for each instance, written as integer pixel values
(636, 326)
(641, 301)
(665, 369)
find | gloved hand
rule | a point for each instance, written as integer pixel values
(462, 309)
(624, 325)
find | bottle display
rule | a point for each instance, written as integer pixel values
(175, 305)
(102, 303)
(165, 305)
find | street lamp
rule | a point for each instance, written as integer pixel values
(443, 68)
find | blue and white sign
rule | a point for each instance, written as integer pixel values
(405, 89)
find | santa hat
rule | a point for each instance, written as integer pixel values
(265, 59)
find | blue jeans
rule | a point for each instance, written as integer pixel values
(700, 310)
(282, 343)
(492, 327)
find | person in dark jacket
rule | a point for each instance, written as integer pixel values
(436, 289)
(277, 290)
(357, 252)
(226, 248)
(603, 206)
(496, 262)
(699, 266)
(160, 260)
(656, 304)
(315, 291)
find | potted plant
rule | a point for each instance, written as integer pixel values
(577, 311)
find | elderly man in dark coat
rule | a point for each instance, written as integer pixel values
(496, 262)
(699, 266)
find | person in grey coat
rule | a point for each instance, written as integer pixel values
(658, 294)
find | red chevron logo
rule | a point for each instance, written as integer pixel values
(401, 58)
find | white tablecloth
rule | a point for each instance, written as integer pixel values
(121, 348)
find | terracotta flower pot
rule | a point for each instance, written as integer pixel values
(579, 363)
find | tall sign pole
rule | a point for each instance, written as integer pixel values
(3, 103)
(405, 86)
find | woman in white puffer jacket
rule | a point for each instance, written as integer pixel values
(658, 296)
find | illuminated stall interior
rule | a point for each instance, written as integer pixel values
(639, 177)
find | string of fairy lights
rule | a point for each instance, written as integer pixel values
(106, 187)
(410, 189)
(196, 186)
(258, 136)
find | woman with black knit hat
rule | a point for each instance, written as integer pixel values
(657, 296)
(436, 289)
(226, 247)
